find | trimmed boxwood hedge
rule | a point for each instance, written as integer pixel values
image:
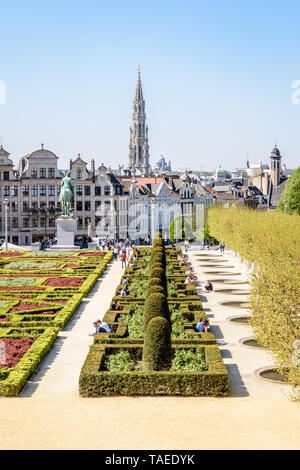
(13, 382)
(94, 381)
(157, 351)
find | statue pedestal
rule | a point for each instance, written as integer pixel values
(66, 229)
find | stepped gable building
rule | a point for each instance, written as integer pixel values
(138, 143)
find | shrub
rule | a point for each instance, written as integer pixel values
(157, 235)
(158, 242)
(120, 362)
(189, 359)
(157, 352)
(158, 257)
(154, 281)
(156, 306)
(157, 272)
(157, 265)
(155, 290)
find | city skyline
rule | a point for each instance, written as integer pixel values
(210, 99)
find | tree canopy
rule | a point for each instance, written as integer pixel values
(291, 194)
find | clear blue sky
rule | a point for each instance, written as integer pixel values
(216, 77)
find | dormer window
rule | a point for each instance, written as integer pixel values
(6, 175)
(78, 175)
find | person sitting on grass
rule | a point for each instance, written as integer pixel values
(208, 286)
(115, 306)
(200, 327)
(125, 281)
(103, 327)
(207, 327)
(188, 280)
(123, 292)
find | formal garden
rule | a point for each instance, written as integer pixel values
(153, 348)
(39, 293)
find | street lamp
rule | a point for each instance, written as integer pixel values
(5, 223)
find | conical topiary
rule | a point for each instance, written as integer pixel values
(156, 305)
(157, 351)
(155, 290)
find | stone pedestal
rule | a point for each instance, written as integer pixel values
(66, 229)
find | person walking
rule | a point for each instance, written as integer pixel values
(123, 258)
(186, 245)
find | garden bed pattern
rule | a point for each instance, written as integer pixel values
(38, 297)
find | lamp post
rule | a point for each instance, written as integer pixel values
(5, 223)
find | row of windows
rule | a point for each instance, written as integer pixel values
(14, 190)
(79, 190)
(13, 206)
(35, 222)
(35, 191)
(43, 173)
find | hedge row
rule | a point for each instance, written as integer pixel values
(94, 382)
(271, 243)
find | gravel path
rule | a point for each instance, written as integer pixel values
(49, 414)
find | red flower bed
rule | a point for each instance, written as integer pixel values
(92, 254)
(27, 275)
(20, 288)
(14, 351)
(26, 307)
(14, 253)
(65, 282)
(4, 319)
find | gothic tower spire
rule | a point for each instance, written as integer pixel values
(138, 143)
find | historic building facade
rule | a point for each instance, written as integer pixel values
(126, 203)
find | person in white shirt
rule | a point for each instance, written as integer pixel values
(103, 327)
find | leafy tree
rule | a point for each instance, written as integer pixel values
(270, 241)
(291, 194)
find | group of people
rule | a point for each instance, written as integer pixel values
(83, 241)
(100, 327)
(46, 242)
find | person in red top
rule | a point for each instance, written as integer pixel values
(123, 259)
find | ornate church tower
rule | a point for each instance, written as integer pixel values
(138, 144)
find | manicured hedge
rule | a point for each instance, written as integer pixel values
(94, 381)
(14, 381)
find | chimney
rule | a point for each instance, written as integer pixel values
(93, 169)
(70, 164)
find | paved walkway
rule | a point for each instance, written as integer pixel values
(49, 414)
